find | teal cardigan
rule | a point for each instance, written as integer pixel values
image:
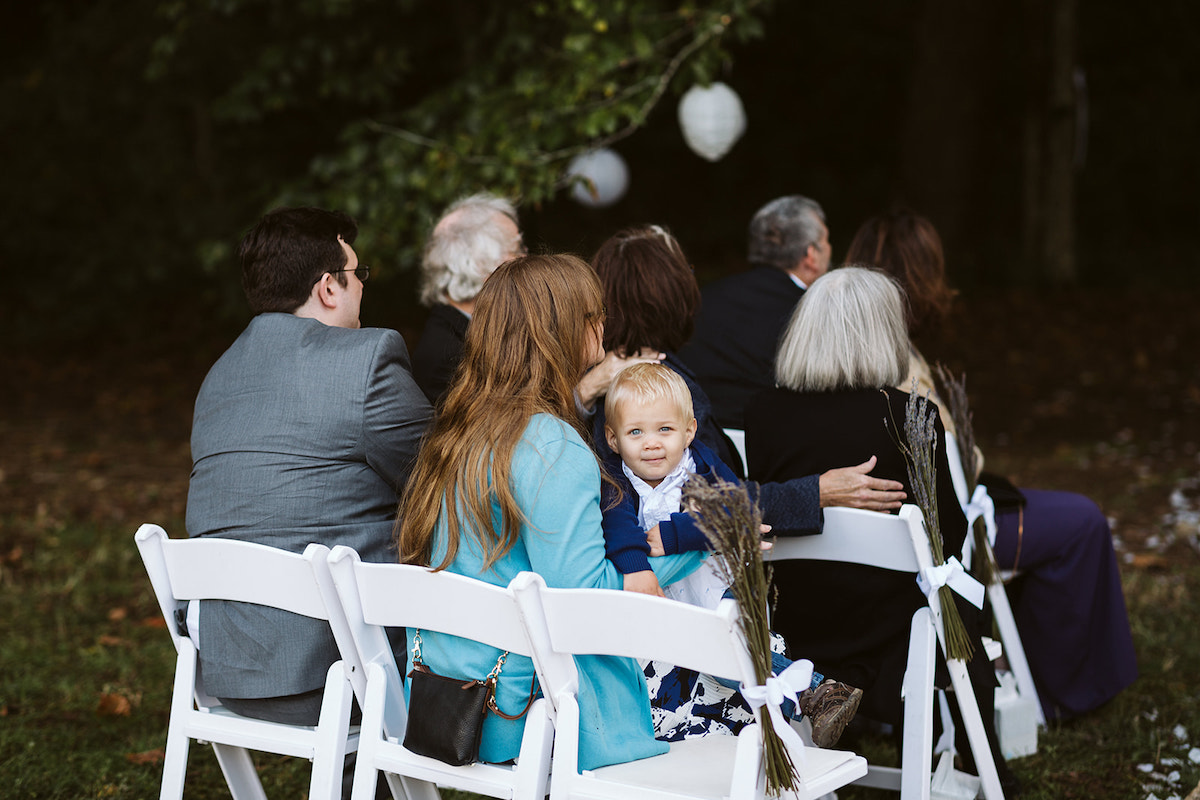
(556, 481)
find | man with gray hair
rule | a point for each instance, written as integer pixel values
(742, 316)
(474, 236)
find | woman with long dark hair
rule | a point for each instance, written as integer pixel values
(1067, 598)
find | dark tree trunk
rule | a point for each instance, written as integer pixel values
(1048, 234)
(949, 88)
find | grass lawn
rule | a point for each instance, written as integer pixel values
(86, 668)
(1095, 397)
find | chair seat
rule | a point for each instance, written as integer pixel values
(491, 780)
(693, 768)
(701, 768)
(257, 734)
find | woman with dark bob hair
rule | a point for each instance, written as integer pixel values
(505, 481)
(651, 297)
(1067, 597)
(841, 355)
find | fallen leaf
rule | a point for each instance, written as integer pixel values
(153, 622)
(114, 705)
(117, 614)
(1148, 561)
(147, 757)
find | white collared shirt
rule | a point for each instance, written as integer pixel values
(658, 503)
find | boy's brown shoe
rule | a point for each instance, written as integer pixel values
(829, 708)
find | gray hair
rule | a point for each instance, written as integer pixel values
(848, 332)
(782, 231)
(466, 245)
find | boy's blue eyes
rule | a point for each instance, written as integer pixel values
(638, 431)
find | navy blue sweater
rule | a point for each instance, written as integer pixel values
(791, 508)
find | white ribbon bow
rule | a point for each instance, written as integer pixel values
(795, 679)
(981, 505)
(953, 575)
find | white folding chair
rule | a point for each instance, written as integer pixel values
(899, 543)
(375, 596)
(182, 570)
(605, 622)
(738, 437)
(1020, 701)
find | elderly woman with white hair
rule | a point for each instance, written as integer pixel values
(471, 240)
(474, 236)
(841, 354)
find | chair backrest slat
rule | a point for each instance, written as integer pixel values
(606, 622)
(855, 536)
(226, 569)
(403, 595)
(957, 475)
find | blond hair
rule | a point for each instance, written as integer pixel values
(647, 383)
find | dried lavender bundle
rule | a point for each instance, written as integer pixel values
(954, 399)
(919, 453)
(730, 520)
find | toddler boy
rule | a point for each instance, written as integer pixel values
(650, 427)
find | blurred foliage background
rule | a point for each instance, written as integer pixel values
(1051, 143)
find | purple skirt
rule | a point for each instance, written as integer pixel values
(1067, 600)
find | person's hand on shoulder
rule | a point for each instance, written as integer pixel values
(595, 381)
(854, 487)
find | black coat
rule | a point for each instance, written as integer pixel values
(852, 621)
(439, 350)
(732, 352)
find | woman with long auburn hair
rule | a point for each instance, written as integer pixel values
(506, 481)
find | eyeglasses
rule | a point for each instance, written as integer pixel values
(362, 272)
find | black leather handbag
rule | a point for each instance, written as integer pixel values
(445, 715)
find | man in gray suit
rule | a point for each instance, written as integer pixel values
(305, 430)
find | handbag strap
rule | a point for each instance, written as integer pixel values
(490, 680)
(416, 658)
(491, 702)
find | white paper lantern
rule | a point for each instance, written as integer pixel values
(605, 177)
(712, 120)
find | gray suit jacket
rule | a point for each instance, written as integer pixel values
(302, 433)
